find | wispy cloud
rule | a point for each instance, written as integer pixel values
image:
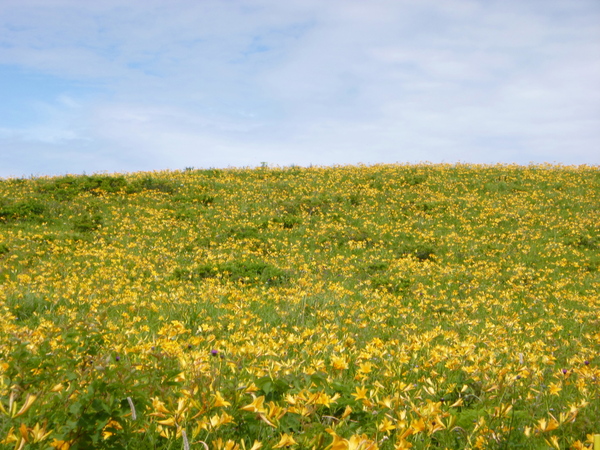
(149, 85)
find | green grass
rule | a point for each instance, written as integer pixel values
(438, 306)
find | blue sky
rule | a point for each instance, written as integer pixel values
(112, 86)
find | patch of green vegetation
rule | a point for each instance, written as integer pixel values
(201, 199)
(70, 186)
(389, 284)
(87, 222)
(287, 221)
(31, 210)
(149, 183)
(24, 307)
(245, 232)
(246, 272)
(345, 236)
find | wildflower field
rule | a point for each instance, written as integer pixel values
(352, 307)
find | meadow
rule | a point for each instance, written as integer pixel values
(341, 308)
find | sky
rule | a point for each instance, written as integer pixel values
(111, 86)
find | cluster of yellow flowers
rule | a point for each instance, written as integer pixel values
(352, 307)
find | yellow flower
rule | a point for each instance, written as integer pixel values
(229, 445)
(361, 442)
(255, 446)
(553, 442)
(457, 403)
(39, 433)
(547, 425)
(480, 442)
(339, 443)
(339, 362)
(365, 367)
(402, 444)
(220, 401)
(386, 425)
(11, 437)
(356, 442)
(347, 412)
(386, 402)
(418, 426)
(360, 393)
(12, 405)
(216, 421)
(554, 389)
(159, 407)
(276, 412)
(112, 424)
(322, 398)
(285, 441)
(170, 422)
(179, 377)
(256, 405)
(60, 445)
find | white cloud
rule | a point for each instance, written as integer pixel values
(216, 83)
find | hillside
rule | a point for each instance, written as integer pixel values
(351, 307)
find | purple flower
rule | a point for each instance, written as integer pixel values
(214, 352)
(117, 358)
(564, 371)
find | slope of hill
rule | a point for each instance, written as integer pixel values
(352, 307)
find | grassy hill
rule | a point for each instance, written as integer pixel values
(352, 307)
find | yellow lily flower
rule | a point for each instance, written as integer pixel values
(386, 425)
(286, 441)
(220, 401)
(256, 405)
(12, 405)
